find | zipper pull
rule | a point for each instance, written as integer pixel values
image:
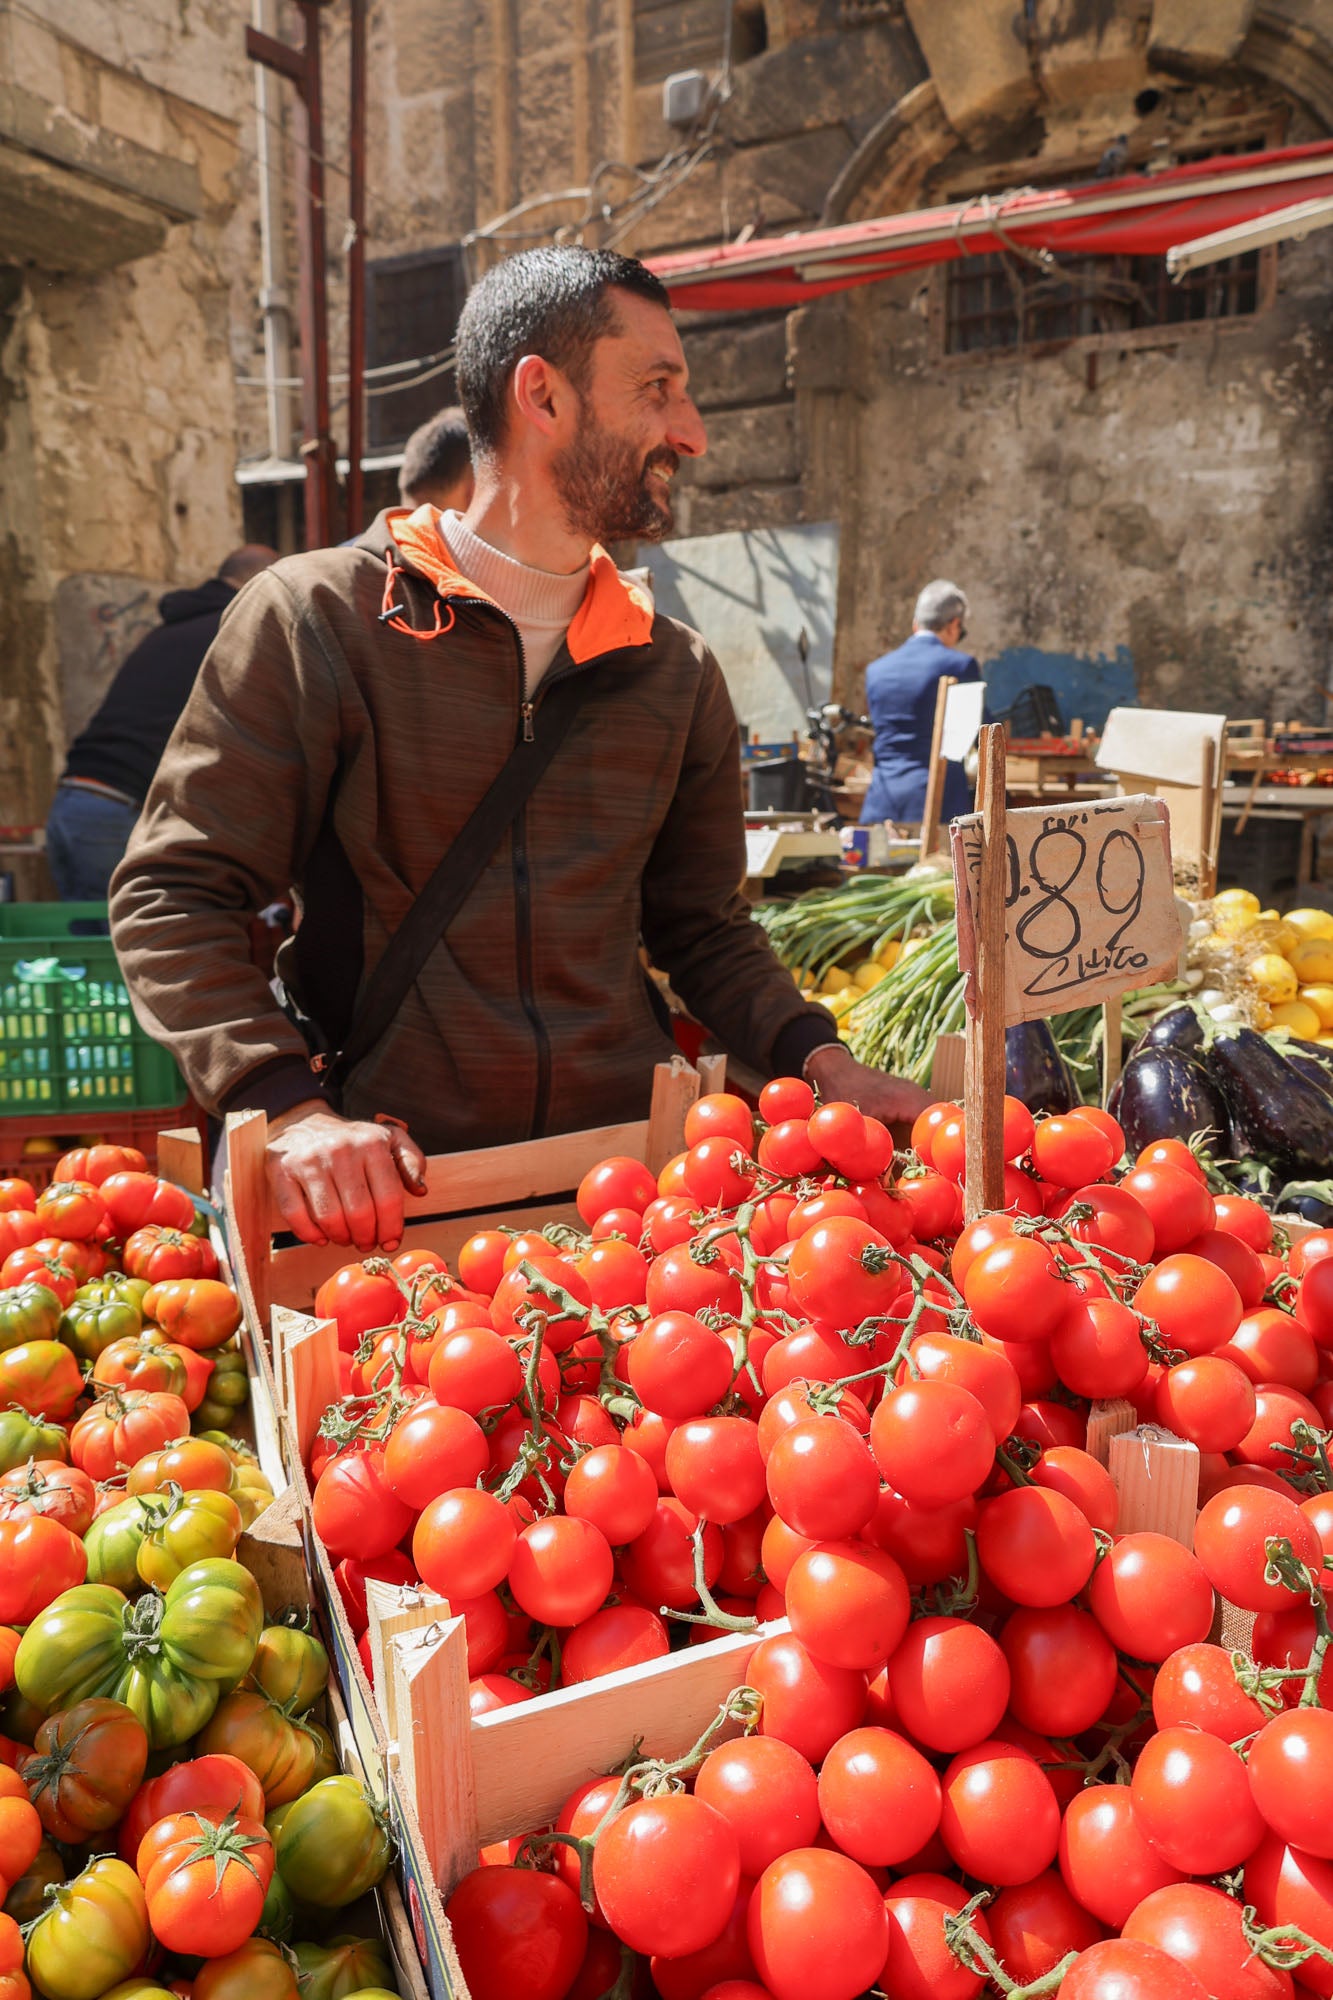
(526, 712)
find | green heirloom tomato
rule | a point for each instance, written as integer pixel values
(90, 1641)
(332, 1845)
(92, 1934)
(228, 1390)
(344, 1965)
(114, 1540)
(23, 1437)
(28, 1312)
(212, 1618)
(74, 1648)
(164, 1657)
(290, 1666)
(99, 1313)
(189, 1528)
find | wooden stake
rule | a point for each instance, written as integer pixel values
(180, 1158)
(1157, 1478)
(1106, 1421)
(428, 1671)
(983, 1094)
(936, 770)
(1113, 1038)
(712, 1074)
(393, 1609)
(676, 1086)
(248, 1207)
(309, 1372)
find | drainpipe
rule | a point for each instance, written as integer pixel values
(274, 302)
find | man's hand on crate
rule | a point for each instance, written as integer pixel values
(341, 1180)
(836, 1074)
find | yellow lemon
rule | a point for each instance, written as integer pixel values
(1233, 921)
(1268, 916)
(1238, 899)
(913, 946)
(867, 975)
(1311, 923)
(1321, 999)
(1272, 978)
(1312, 961)
(889, 954)
(1301, 1020)
(833, 981)
(1286, 937)
(842, 1003)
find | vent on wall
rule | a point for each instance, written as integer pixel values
(412, 308)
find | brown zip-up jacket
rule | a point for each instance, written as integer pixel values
(346, 721)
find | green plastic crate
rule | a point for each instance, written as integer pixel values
(68, 1037)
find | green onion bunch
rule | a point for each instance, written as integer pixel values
(813, 933)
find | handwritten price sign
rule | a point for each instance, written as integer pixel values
(1090, 905)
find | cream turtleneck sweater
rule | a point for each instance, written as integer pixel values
(541, 603)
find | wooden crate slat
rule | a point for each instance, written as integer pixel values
(297, 1273)
(496, 1175)
(528, 1759)
(1157, 1478)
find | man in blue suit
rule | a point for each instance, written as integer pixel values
(900, 694)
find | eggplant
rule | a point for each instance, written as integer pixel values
(1167, 1092)
(1274, 1110)
(1311, 1200)
(1034, 1069)
(1308, 1066)
(1178, 1028)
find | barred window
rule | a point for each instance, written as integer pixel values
(996, 302)
(412, 309)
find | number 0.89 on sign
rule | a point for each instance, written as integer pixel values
(1090, 906)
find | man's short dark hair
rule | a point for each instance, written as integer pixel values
(552, 302)
(436, 456)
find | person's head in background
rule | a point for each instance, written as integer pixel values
(942, 609)
(245, 562)
(437, 464)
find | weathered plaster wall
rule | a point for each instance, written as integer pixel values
(1174, 517)
(116, 391)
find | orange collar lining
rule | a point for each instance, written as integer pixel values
(614, 612)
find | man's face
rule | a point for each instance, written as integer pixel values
(637, 422)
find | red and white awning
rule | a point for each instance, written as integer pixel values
(1138, 215)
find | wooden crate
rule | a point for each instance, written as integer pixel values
(527, 1184)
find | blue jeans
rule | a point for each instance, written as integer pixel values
(86, 834)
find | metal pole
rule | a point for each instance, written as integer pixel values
(274, 302)
(356, 272)
(317, 445)
(301, 67)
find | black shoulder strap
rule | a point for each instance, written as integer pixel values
(455, 877)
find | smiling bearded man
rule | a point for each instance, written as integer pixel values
(488, 768)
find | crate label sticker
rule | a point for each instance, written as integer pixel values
(1090, 908)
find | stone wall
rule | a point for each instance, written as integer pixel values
(117, 409)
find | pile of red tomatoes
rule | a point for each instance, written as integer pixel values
(997, 1747)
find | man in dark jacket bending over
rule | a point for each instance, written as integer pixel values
(112, 760)
(359, 703)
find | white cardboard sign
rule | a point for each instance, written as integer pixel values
(1090, 906)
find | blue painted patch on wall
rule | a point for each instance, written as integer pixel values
(1088, 688)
